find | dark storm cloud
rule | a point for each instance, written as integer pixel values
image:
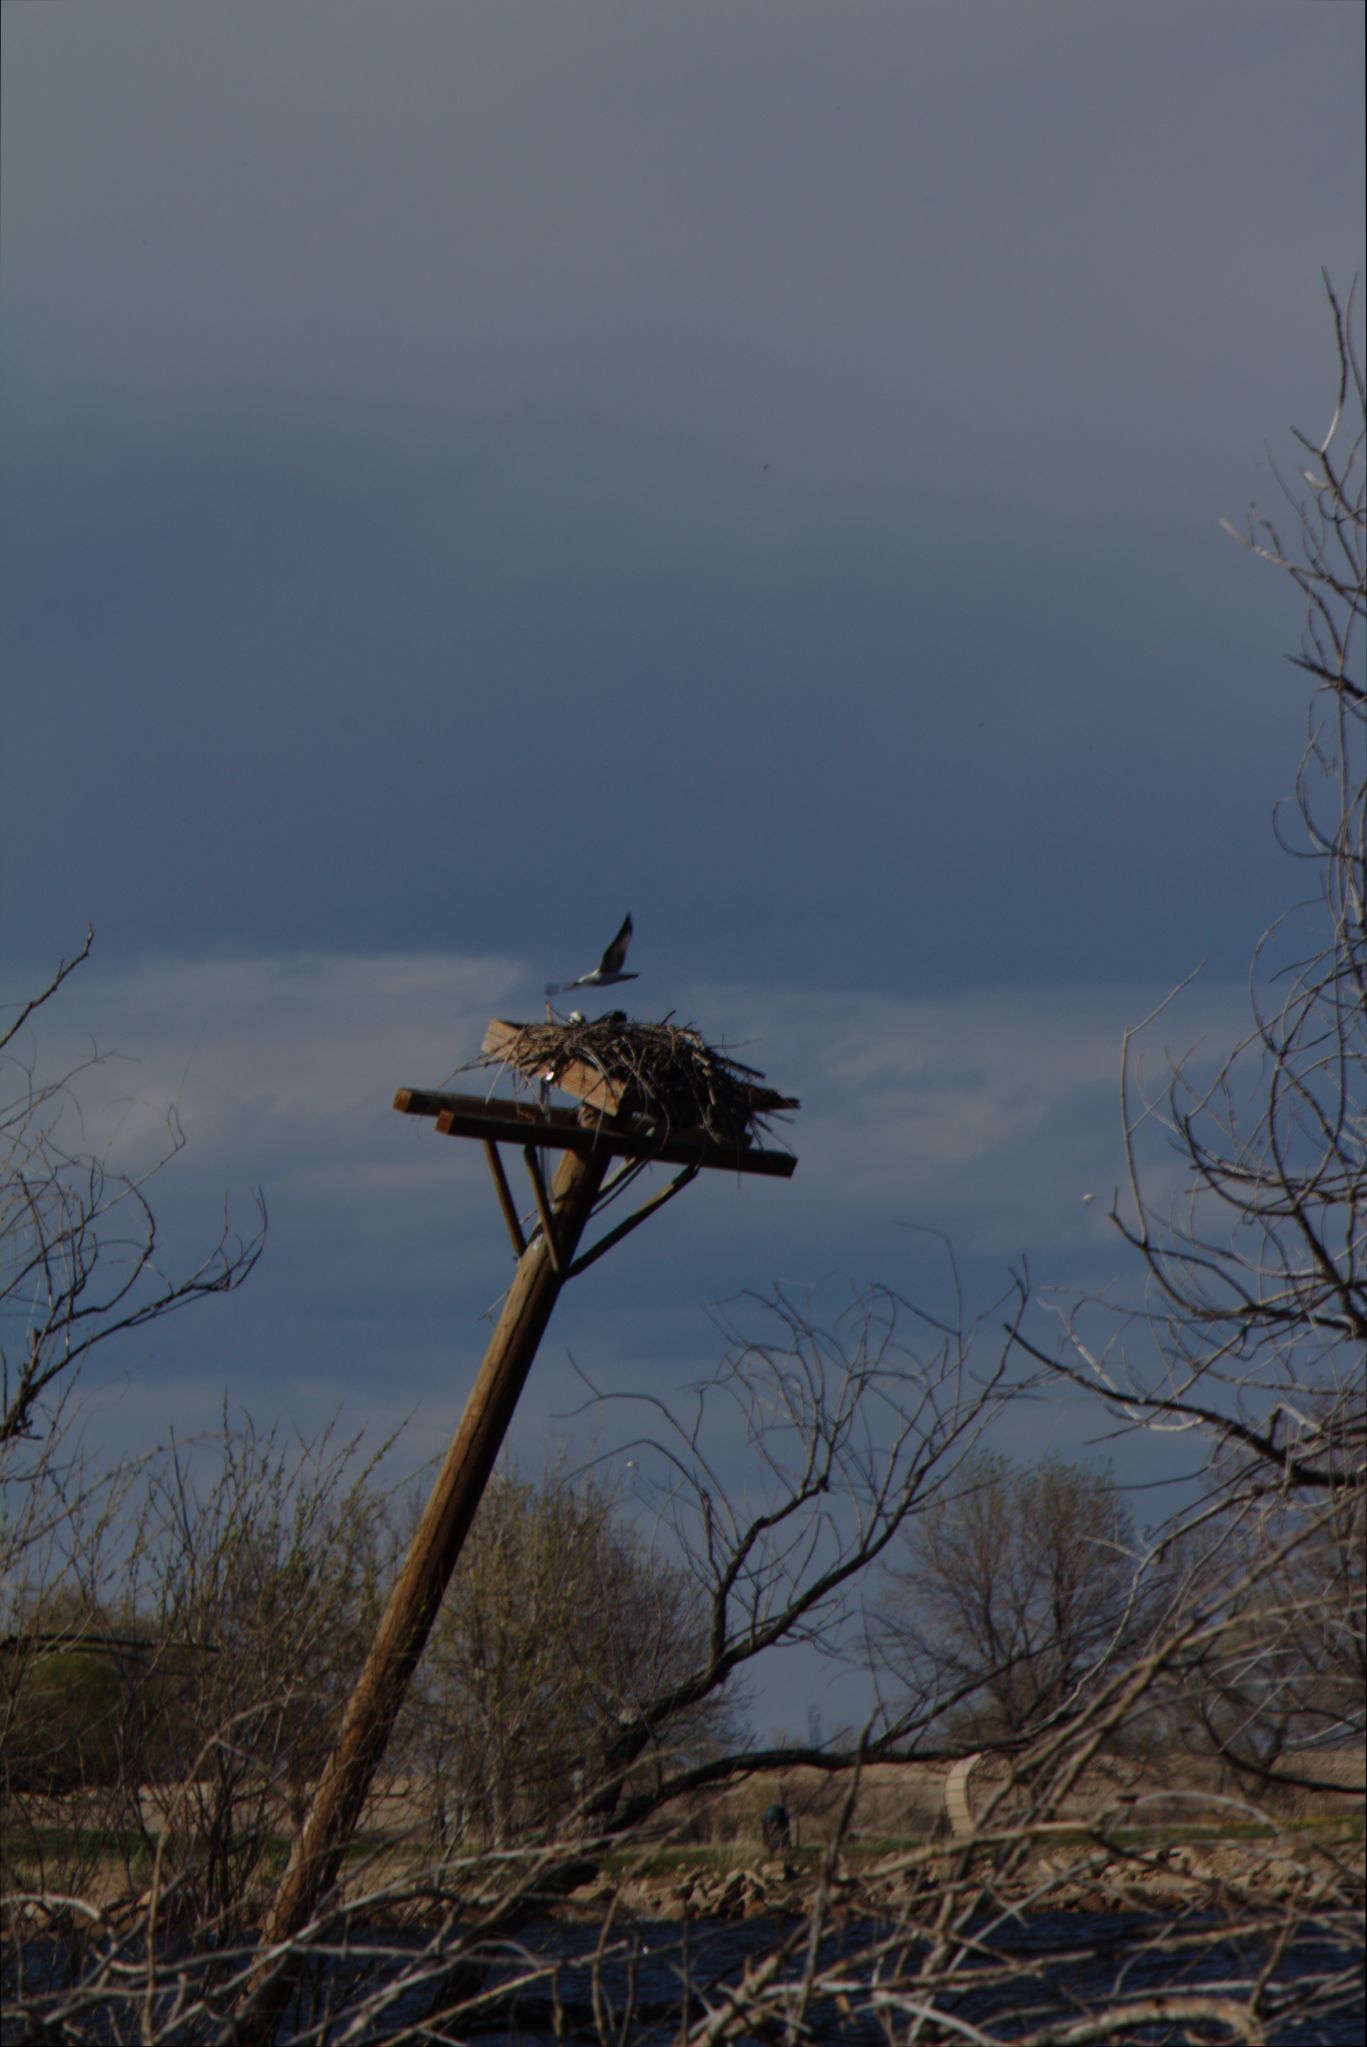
(892, 229)
(766, 461)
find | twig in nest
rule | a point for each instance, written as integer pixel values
(666, 1074)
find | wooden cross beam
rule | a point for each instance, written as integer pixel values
(502, 1121)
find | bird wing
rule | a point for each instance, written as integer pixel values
(612, 959)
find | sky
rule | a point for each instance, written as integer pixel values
(471, 471)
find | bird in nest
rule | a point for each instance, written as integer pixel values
(608, 971)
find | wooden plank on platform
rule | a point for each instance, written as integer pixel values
(573, 1077)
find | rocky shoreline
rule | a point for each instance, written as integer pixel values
(1078, 1879)
(1294, 1869)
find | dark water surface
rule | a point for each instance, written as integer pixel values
(1064, 1964)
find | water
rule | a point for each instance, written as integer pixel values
(1066, 1962)
(1060, 1965)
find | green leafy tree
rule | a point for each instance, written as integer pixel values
(65, 1714)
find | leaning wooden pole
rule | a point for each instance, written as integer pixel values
(380, 1689)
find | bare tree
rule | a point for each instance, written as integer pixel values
(1258, 1306)
(558, 1622)
(1253, 1334)
(79, 1238)
(1283, 1688)
(791, 1474)
(1025, 1585)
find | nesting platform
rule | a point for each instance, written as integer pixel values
(644, 1091)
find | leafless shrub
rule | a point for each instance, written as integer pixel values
(1256, 1322)
(254, 1580)
(172, 1665)
(79, 1238)
(1253, 1336)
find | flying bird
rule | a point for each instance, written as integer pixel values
(608, 970)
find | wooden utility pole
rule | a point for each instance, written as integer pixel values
(590, 1139)
(417, 1593)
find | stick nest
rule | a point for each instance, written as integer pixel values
(667, 1074)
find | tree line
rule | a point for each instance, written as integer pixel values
(246, 1583)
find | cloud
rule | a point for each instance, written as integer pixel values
(998, 1108)
(989, 1115)
(689, 423)
(291, 1047)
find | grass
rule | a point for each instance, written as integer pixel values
(53, 1842)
